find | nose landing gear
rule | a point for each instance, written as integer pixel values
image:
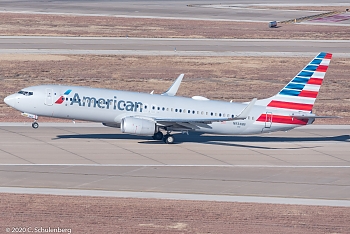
(35, 125)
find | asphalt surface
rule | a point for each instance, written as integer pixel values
(306, 163)
(225, 10)
(167, 46)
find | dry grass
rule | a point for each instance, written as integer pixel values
(128, 215)
(224, 78)
(67, 25)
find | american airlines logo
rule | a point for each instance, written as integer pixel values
(102, 103)
(61, 99)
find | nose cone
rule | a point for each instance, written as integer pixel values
(10, 100)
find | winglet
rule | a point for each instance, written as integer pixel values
(174, 87)
(245, 112)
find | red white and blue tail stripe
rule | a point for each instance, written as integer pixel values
(300, 93)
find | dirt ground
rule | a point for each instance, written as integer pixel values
(129, 215)
(221, 78)
(69, 25)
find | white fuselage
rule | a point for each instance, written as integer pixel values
(111, 106)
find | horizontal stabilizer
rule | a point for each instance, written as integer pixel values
(312, 116)
(174, 87)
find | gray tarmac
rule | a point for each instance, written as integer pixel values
(310, 163)
(170, 46)
(173, 9)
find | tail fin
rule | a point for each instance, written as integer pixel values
(301, 92)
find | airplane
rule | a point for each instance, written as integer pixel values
(149, 114)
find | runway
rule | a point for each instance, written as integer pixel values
(306, 163)
(169, 46)
(169, 9)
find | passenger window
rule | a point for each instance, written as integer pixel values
(163, 109)
(180, 110)
(220, 114)
(189, 111)
(167, 109)
(158, 108)
(193, 112)
(175, 110)
(211, 113)
(216, 114)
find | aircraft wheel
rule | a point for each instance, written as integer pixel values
(158, 136)
(35, 125)
(169, 139)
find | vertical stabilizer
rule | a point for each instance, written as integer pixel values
(301, 92)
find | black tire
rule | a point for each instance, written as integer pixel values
(35, 125)
(158, 136)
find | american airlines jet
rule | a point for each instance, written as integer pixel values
(154, 114)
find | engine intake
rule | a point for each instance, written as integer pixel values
(138, 126)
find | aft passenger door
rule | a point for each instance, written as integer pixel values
(49, 97)
(268, 121)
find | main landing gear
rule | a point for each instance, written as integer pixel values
(158, 136)
(169, 139)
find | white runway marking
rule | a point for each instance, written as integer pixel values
(177, 196)
(178, 165)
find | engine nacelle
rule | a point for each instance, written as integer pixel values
(138, 126)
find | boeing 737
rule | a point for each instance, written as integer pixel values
(155, 114)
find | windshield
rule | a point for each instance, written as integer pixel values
(25, 93)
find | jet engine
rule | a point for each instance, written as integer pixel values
(138, 126)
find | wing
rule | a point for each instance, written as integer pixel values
(202, 122)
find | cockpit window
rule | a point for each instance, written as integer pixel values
(25, 93)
